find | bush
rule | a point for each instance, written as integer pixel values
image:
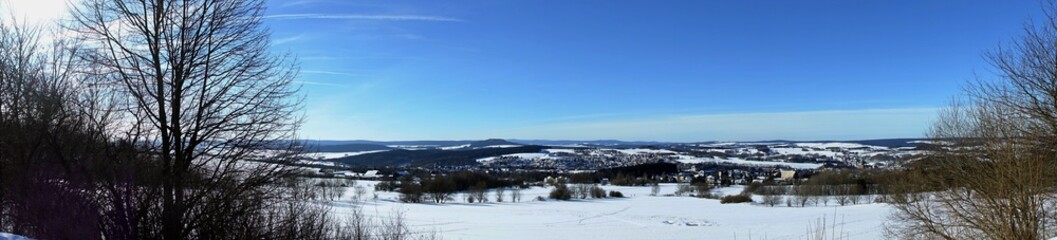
(683, 189)
(740, 198)
(561, 192)
(410, 192)
(387, 186)
(772, 200)
(597, 192)
(615, 194)
(751, 188)
(704, 190)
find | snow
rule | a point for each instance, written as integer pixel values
(933, 142)
(527, 155)
(556, 150)
(455, 147)
(9, 236)
(333, 155)
(738, 161)
(412, 147)
(634, 151)
(502, 146)
(318, 163)
(639, 216)
(837, 145)
(801, 151)
(519, 155)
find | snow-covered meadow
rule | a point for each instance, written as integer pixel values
(638, 216)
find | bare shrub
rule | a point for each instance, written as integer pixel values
(992, 174)
(515, 194)
(740, 198)
(597, 192)
(682, 189)
(560, 192)
(479, 192)
(499, 194)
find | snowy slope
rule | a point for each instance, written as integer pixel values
(638, 216)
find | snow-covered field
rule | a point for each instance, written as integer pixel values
(738, 161)
(638, 216)
(333, 155)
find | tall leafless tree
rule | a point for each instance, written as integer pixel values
(203, 96)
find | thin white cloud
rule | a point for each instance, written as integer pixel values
(280, 41)
(297, 3)
(329, 72)
(319, 83)
(807, 125)
(363, 17)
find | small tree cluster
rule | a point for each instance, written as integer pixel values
(683, 189)
(598, 192)
(582, 191)
(410, 192)
(703, 190)
(478, 192)
(561, 192)
(515, 194)
(772, 195)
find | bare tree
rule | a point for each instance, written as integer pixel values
(44, 138)
(772, 195)
(499, 194)
(515, 194)
(479, 192)
(801, 194)
(357, 226)
(582, 191)
(359, 193)
(683, 189)
(841, 194)
(204, 98)
(703, 190)
(994, 174)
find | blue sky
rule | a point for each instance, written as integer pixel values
(636, 70)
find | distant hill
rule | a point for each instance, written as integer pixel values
(431, 157)
(431, 143)
(891, 143)
(367, 145)
(607, 143)
(492, 142)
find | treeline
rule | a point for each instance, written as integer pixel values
(637, 175)
(842, 187)
(580, 191)
(442, 188)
